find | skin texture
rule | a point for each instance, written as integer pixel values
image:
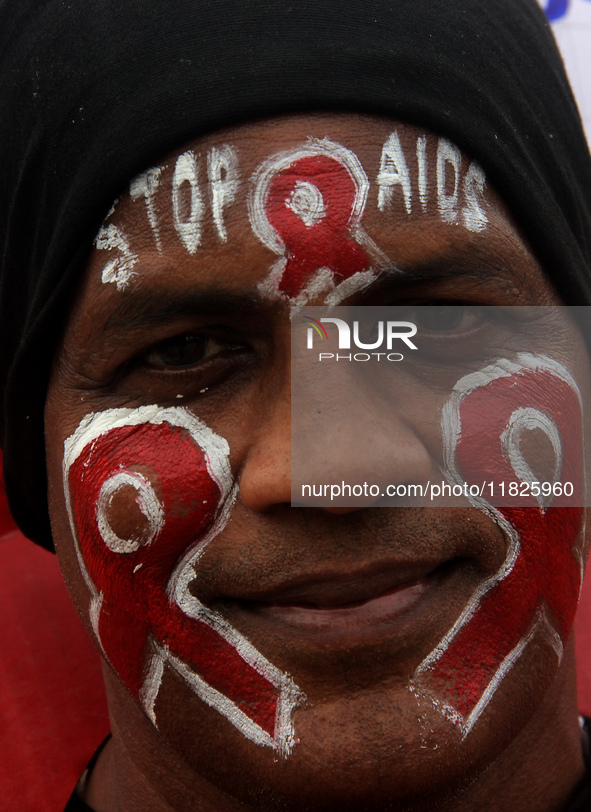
(365, 741)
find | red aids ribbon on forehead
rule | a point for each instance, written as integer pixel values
(307, 205)
(538, 585)
(147, 490)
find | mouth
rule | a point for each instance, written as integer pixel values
(333, 606)
(349, 609)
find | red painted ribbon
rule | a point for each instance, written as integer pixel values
(323, 191)
(546, 573)
(135, 603)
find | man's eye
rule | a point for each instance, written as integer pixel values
(183, 351)
(445, 318)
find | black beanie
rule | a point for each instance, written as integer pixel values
(93, 92)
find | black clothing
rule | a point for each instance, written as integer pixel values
(92, 93)
(581, 799)
(76, 804)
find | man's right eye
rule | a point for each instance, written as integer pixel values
(184, 351)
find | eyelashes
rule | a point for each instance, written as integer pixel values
(184, 351)
(188, 365)
(443, 319)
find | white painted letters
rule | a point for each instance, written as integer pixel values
(145, 185)
(188, 228)
(118, 270)
(222, 171)
(393, 172)
(422, 165)
(460, 196)
(448, 155)
(444, 183)
(473, 216)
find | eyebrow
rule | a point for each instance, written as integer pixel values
(485, 267)
(140, 308)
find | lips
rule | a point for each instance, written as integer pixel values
(322, 602)
(345, 623)
(328, 589)
(349, 608)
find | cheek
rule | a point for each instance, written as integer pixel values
(140, 495)
(147, 491)
(536, 590)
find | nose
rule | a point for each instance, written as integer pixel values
(265, 478)
(306, 443)
(356, 446)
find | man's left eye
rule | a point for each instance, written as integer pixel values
(446, 318)
(184, 351)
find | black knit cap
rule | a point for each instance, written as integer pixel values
(93, 92)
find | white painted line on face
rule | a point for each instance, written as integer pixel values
(187, 223)
(147, 502)
(283, 739)
(448, 155)
(222, 171)
(216, 451)
(422, 168)
(451, 431)
(307, 203)
(146, 185)
(473, 604)
(354, 284)
(552, 635)
(97, 424)
(393, 172)
(527, 419)
(290, 695)
(499, 676)
(120, 269)
(473, 215)
(540, 623)
(153, 680)
(270, 168)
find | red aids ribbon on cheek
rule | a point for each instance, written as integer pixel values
(148, 489)
(537, 587)
(307, 206)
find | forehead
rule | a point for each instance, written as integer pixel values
(228, 207)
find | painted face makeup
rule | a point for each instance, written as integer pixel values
(537, 587)
(408, 630)
(460, 199)
(118, 270)
(147, 490)
(307, 206)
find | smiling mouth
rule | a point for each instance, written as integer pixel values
(350, 610)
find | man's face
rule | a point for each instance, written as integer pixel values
(294, 653)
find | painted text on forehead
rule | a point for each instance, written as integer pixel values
(306, 204)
